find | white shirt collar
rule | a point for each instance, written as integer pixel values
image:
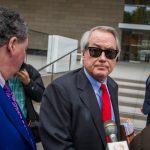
(2, 81)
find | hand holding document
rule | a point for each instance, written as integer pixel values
(129, 128)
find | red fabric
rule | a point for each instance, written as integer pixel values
(106, 106)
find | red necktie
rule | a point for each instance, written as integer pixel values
(106, 106)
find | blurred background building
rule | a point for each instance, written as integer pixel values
(136, 31)
(70, 18)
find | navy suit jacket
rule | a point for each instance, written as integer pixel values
(146, 105)
(70, 117)
(13, 135)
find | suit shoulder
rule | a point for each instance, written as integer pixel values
(112, 81)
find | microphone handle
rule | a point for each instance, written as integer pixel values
(113, 137)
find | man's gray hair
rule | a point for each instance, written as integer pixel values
(11, 25)
(85, 38)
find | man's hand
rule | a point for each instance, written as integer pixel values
(24, 77)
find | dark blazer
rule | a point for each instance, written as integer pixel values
(13, 135)
(34, 90)
(70, 118)
(146, 104)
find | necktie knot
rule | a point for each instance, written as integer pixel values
(103, 87)
(5, 86)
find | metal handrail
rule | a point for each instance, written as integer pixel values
(52, 63)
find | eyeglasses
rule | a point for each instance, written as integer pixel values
(109, 53)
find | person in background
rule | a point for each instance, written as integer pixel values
(15, 134)
(141, 140)
(27, 85)
(146, 104)
(75, 106)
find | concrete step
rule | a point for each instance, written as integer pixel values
(128, 80)
(138, 119)
(131, 98)
(131, 93)
(131, 85)
(139, 125)
(48, 77)
(133, 112)
(130, 101)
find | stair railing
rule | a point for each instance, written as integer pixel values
(53, 62)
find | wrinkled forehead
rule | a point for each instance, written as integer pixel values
(103, 38)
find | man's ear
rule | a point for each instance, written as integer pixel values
(82, 58)
(12, 44)
(82, 55)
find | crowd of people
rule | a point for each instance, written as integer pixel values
(74, 107)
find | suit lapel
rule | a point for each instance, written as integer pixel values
(88, 97)
(12, 115)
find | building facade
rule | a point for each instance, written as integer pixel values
(70, 18)
(136, 31)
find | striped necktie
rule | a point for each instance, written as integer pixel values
(10, 95)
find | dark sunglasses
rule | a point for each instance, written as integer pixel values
(109, 53)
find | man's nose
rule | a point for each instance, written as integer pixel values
(102, 56)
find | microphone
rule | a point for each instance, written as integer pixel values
(111, 130)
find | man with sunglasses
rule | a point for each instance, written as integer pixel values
(71, 111)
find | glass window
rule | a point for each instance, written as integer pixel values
(134, 14)
(147, 2)
(147, 15)
(135, 45)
